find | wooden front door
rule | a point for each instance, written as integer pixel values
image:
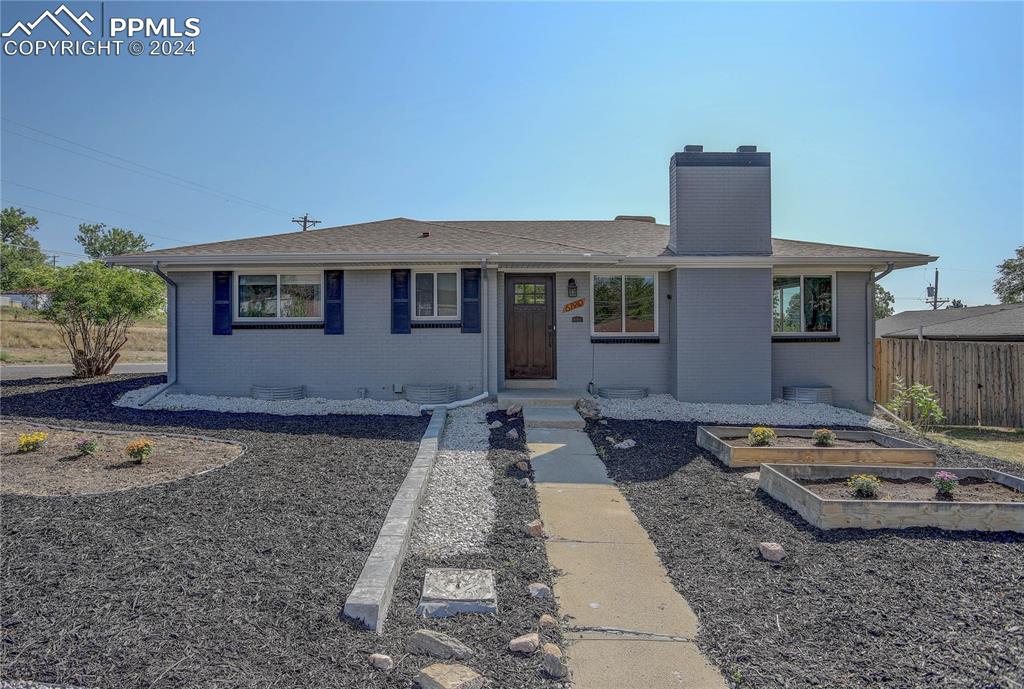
(529, 326)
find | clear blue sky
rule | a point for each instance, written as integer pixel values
(891, 125)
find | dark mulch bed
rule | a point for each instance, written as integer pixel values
(229, 579)
(847, 608)
(516, 560)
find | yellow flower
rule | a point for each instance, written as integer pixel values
(30, 442)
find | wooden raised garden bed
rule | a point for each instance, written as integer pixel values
(794, 446)
(986, 500)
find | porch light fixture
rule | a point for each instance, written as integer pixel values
(572, 287)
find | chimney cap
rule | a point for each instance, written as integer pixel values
(693, 148)
(636, 218)
(746, 149)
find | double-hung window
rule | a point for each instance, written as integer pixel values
(281, 296)
(802, 304)
(624, 304)
(437, 295)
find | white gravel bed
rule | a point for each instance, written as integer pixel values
(310, 406)
(778, 413)
(458, 510)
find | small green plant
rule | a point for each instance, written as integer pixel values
(86, 446)
(824, 437)
(761, 436)
(5, 357)
(945, 483)
(139, 449)
(30, 442)
(864, 485)
(918, 405)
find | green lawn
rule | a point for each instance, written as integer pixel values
(1002, 443)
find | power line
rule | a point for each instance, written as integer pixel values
(306, 222)
(77, 217)
(193, 186)
(96, 205)
(45, 250)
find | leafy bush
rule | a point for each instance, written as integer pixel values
(918, 405)
(864, 485)
(824, 437)
(945, 483)
(30, 442)
(86, 446)
(761, 436)
(139, 449)
(94, 306)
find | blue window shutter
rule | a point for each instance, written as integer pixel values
(222, 302)
(401, 287)
(470, 300)
(334, 302)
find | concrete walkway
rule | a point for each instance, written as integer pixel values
(627, 625)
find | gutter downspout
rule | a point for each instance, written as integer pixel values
(869, 355)
(484, 347)
(172, 336)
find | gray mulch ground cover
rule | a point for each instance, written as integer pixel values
(229, 579)
(517, 561)
(849, 608)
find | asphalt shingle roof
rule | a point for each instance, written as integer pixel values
(620, 237)
(998, 322)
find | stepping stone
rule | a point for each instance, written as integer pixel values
(440, 676)
(449, 591)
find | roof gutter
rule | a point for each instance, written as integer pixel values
(718, 261)
(869, 354)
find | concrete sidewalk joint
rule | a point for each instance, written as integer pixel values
(372, 592)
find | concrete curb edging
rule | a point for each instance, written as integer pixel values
(372, 592)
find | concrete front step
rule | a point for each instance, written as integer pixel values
(539, 398)
(547, 416)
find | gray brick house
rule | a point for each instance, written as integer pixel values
(709, 307)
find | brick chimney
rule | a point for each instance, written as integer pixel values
(720, 203)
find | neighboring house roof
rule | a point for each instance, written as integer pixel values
(581, 240)
(998, 323)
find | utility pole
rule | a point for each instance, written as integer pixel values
(306, 222)
(933, 294)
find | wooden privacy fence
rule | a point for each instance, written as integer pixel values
(955, 370)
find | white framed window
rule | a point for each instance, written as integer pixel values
(295, 296)
(624, 304)
(803, 304)
(436, 295)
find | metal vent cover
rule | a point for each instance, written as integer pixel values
(807, 394)
(287, 392)
(431, 394)
(622, 393)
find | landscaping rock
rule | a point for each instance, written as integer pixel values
(437, 645)
(603, 422)
(439, 676)
(625, 444)
(546, 621)
(512, 435)
(381, 661)
(753, 476)
(525, 482)
(539, 590)
(773, 552)
(527, 643)
(514, 409)
(495, 424)
(554, 662)
(588, 409)
(534, 529)
(523, 465)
